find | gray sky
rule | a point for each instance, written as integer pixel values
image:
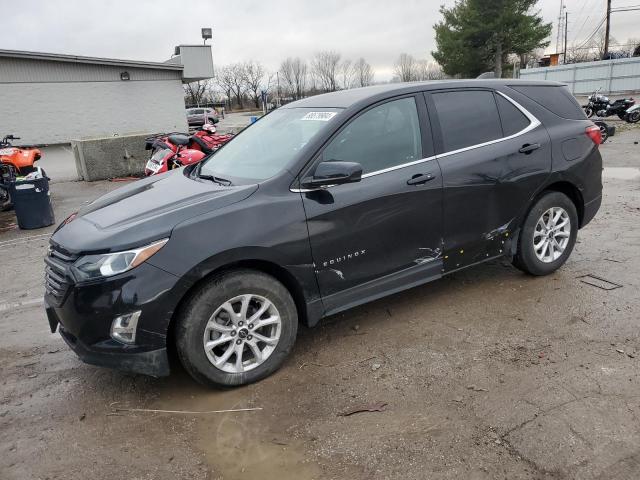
(266, 30)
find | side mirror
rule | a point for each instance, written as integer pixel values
(333, 173)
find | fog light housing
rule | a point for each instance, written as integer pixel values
(123, 328)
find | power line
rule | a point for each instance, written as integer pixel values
(595, 31)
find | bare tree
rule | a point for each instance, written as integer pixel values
(325, 69)
(293, 72)
(195, 92)
(425, 70)
(580, 54)
(253, 76)
(347, 74)
(224, 80)
(405, 68)
(236, 77)
(363, 73)
(286, 76)
(597, 42)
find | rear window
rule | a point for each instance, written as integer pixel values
(467, 118)
(556, 99)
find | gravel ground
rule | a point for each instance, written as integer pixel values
(486, 374)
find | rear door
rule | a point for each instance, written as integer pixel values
(494, 155)
(383, 233)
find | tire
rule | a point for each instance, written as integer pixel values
(526, 258)
(633, 117)
(5, 200)
(604, 131)
(195, 323)
(588, 111)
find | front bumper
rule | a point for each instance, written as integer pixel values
(85, 315)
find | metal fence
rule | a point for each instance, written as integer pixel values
(611, 76)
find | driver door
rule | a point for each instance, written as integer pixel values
(383, 233)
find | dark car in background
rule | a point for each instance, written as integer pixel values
(196, 117)
(322, 205)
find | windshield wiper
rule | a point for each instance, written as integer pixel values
(218, 180)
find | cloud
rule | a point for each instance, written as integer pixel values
(267, 31)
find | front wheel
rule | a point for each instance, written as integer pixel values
(588, 111)
(548, 235)
(236, 329)
(5, 199)
(633, 117)
(604, 131)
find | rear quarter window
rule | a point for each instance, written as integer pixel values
(513, 120)
(556, 99)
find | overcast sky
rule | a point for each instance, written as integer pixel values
(265, 30)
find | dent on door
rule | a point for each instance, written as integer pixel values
(486, 194)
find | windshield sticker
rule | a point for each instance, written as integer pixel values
(321, 116)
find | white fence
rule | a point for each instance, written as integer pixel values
(612, 76)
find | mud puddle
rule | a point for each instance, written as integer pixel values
(621, 173)
(249, 444)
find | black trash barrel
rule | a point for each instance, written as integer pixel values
(32, 203)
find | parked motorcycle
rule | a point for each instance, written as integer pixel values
(15, 162)
(633, 114)
(600, 106)
(174, 150)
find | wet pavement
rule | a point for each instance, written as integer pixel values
(487, 373)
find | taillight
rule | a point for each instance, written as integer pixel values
(593, 132)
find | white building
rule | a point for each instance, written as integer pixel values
(48, 98)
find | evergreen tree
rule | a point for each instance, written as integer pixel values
(476, 36)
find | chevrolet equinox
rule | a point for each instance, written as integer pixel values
(324, 204)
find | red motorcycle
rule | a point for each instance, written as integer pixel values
(174, 150)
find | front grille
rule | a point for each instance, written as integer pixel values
(57, 278)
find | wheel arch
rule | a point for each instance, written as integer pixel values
(571, 191)
(284, 276)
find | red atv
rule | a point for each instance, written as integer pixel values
(15, 162)
(173, 150)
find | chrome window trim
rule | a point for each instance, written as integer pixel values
(533, 124)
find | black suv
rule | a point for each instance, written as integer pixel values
(322, 205)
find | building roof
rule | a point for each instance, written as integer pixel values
(347, 98)
(57, 57)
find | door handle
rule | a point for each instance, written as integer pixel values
(529, 147)
(420, 178)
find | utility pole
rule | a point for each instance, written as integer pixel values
(607, 28)
(566, 28)
(560, 24)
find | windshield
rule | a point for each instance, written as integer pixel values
(266, 147)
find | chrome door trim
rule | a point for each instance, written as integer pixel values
(533, 124)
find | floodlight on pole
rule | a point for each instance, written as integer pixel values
(207, 33)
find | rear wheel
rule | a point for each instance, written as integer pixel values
(548, 235)
(633, 117)
(236, 329)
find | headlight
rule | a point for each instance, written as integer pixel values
(108, 264)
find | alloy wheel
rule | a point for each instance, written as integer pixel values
(551, 235)
(242, 333)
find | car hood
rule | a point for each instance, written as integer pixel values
(144, 211)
